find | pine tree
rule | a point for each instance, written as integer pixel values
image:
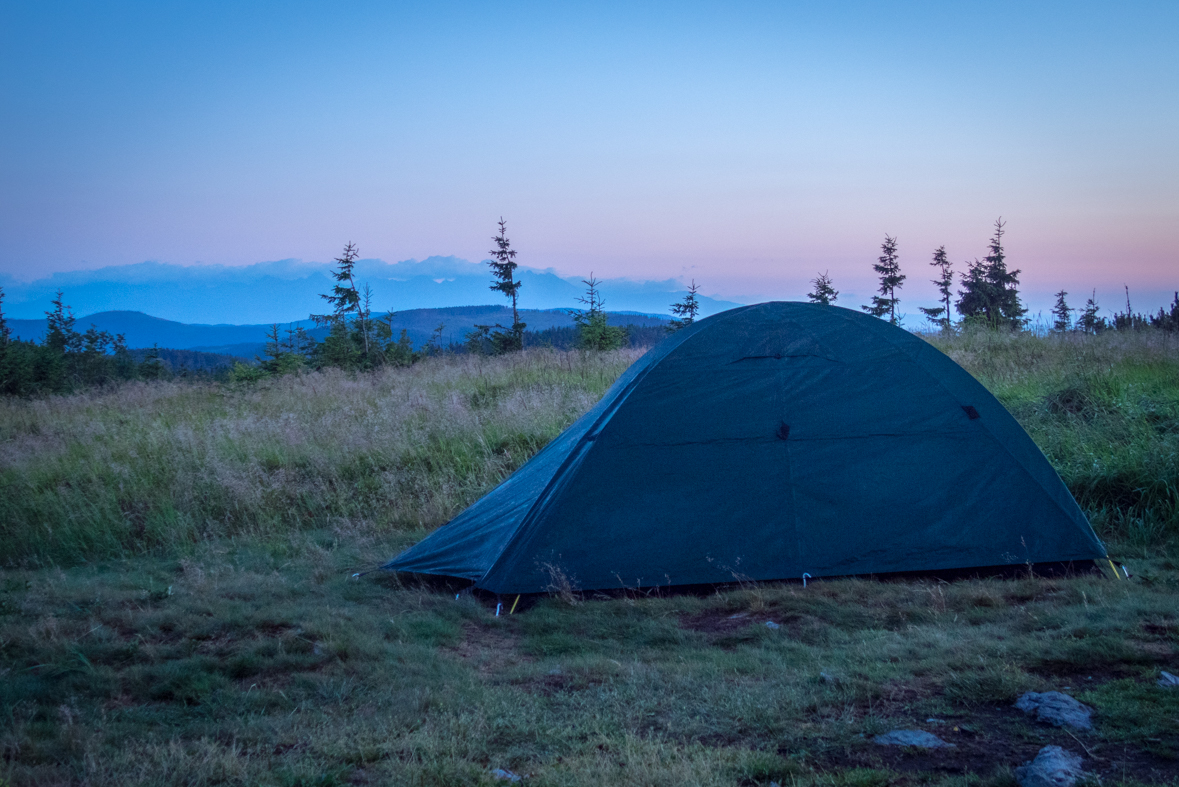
(60, 335)
(940, 315)
(593, 330)
(891, 279)
(7, 373)
(151, 367)
(339, 346)
(824, 293)
(503, 267)
(1062, 314)
(1089, 322)
(1004, 283)
(685, 311)
(5, 333)
(990, 293)
(1167, 320)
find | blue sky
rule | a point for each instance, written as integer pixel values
(747, 145)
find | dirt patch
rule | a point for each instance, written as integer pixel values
(489, 650)
(986, 739)
(720, 623)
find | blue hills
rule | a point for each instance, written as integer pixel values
(245, 341)
(217, 296)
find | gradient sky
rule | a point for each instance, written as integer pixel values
(747, 145)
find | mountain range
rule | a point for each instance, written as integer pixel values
(290, 290)
(246, 341)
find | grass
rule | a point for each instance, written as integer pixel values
(178, 604)
(148, 468)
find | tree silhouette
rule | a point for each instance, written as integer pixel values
(824, 293)
(891, 279)
(944, 282)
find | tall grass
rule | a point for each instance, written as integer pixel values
(1105, 411)
(152, 467)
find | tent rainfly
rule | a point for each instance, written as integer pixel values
(768, 442)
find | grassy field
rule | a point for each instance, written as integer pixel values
(177, 603)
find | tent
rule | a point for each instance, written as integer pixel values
(769, 442)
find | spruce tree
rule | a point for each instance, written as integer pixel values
(1004, 283)
(891, 279)
(593, 330)
(940, 315)
(1167, 320)
(824, 293)
(1062, 314)
(60, 335)
(503, 267)
(685, 311)
(338, 348)
(990, 292)
(7, 373)
(1089, 322)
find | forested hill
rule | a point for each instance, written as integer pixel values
(246, 341)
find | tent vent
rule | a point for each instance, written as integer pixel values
(784, 431)
(970, 411)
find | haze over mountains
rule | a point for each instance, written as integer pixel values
(245, 341)
(288, 290)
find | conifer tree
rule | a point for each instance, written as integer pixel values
(503, 267)
(338, 347)
(685, 311)
(4, 331)
(6, 371)
(593, 330)
(151, 367)
(824, 293)
(990, 292)
(1004, 283)
(940, 315)
(1167, 320)
(60, 335)
(891, 279)
(1089, 322)
(1062, 314)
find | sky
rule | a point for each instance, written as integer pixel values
(746, 145)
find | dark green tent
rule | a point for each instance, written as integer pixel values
(767, 442)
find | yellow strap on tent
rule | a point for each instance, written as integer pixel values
(512, 611)
(1115, 569)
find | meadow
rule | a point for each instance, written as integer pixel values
(178, 606)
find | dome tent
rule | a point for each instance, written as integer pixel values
(762, 443)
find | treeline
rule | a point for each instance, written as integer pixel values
(358, 339)
(69, 359)
(988, 296)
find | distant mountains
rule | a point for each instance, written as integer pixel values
(246, 341)
(268, 292)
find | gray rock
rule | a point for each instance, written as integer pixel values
(1053, 767)
(1056, 708)
(500, 773)
(1169, 681)
(918, 738)
(827, 677)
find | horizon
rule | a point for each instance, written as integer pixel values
(747, 147)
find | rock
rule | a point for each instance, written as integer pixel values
(1053, 767)
(1169, 681)
(827, 677)
(918, 738)
(1056, 708)
(500, 773)
(771, 624)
